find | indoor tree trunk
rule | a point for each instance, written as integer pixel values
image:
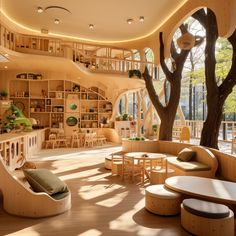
(211, 127)
(165, 132)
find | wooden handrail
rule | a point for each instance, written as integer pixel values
(60, 48)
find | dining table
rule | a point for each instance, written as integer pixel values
(147, 160)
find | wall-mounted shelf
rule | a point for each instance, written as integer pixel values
(53, 102)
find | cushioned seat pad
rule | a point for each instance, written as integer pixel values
(189, 165)
(160, 191)
(206, 209)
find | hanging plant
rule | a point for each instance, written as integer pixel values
(135, 73)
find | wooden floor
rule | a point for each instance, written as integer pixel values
(101, 204)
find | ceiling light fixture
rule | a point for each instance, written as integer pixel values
(5, 67)
(56, 21)
(40, 10)
(141, 19)
(130, 21)
(91, 26)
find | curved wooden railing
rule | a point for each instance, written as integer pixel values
(227, 129)
(111, 60)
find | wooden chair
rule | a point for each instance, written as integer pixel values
(131, 168)
(90, 139)
(52, 141)
(75, 139)
(116, 163)
(101, 139)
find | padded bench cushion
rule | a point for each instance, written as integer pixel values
(206, 209)
(189, 165)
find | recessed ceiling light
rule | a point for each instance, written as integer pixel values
(91, 26)
(56, 21)
(6, 55)
(130, 21)
(5, 67)
(141, 19)
(40, 10)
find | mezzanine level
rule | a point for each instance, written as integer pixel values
(96, 58)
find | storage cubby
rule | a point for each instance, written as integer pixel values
(61, 103)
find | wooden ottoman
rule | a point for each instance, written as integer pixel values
(107, 163)
(206, 218)
(159, 176)
(162, 201)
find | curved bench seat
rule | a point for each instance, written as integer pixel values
(20, 200)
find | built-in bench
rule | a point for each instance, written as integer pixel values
(204, 164)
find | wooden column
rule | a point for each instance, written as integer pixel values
(126, 103)
(138, 114)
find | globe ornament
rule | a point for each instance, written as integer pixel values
(186, 41)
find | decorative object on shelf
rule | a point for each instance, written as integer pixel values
(76, 88)
(59, 95)
(3, 94)
(29, 76)
(44, 93)
(133, 73)
(71, 121)
(73, 106)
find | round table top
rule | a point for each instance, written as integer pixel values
(145, 155)
(211, 189)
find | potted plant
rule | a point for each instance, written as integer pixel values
(3, 94)
(125, 117)
(135, 73)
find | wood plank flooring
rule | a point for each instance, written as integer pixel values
(101, 204)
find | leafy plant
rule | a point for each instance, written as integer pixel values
(135, 72)
(125, 117)
(4, 93)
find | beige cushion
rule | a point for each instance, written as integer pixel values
(188, 166)
(186, 154)
(43, 180)
(160, 191)
(205, 209)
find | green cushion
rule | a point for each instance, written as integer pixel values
(188, 166)
(186, 155)
(43, 180)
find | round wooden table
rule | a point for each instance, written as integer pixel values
(147, 159)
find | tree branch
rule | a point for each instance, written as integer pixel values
(169, 75)
(152, 92)
(230, 81)
(200, 15)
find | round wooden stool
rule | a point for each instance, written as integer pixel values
(159, 176)
(162, 201)
(107, 163)
(206, 218)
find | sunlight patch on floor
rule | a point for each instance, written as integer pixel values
(115, 200)
(91, 232)
(91, 191)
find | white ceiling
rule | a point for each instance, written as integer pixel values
(108, 16)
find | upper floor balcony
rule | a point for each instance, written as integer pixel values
(95, 58)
